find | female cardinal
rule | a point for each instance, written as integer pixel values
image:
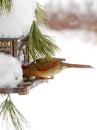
(44, 68)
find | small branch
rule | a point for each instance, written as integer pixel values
(9, 113)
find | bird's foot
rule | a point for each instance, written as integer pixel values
(45, 78)
(28, 79)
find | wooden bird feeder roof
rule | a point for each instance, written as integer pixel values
(24, 88)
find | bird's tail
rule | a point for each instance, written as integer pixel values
(68, 65)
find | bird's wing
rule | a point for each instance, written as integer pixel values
(45, 65)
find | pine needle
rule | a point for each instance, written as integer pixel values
(9, 112)
(40, 45)
(5, 5)
(40, 14)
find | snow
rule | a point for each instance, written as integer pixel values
(75, 6)
(42, 2)
(10, 71)
(17, 23)
(80, 43)
(69, 102)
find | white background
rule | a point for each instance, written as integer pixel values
(69, 102)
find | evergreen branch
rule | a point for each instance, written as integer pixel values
(40, 45)
(9, 112)
(40, 14)
(6, 5)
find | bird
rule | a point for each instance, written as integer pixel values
(45, 68)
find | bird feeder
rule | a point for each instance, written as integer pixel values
(9, 46)
(14, 25)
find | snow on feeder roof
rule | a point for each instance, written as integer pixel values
(17, 22)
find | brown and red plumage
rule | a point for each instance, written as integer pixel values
(48, 68)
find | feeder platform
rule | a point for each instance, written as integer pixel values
(24, 88)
